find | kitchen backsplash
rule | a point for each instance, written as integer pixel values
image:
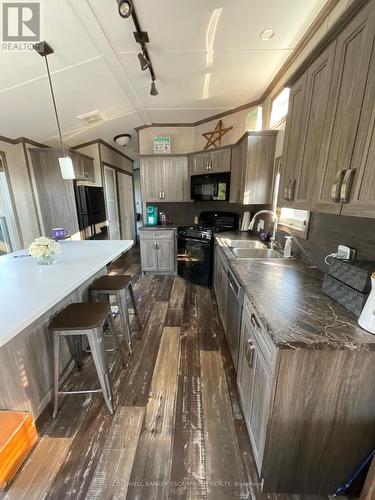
(327, 231)
(183, 213)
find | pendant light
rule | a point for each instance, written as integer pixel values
(65, 161)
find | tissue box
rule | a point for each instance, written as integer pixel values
(355, 273)
(348, 297)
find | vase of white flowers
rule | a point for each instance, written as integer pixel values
(43, 249)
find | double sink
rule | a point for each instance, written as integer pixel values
(251, 249)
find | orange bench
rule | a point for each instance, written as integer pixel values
(17, 437)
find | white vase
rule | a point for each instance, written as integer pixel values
(367, 317)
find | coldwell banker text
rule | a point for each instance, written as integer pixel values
(21, 25)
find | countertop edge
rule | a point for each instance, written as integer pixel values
(25, 324)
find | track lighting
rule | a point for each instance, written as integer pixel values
(154, 90)
(143, 61)
(125, 8)
(122, 139)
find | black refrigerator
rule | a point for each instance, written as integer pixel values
(92, 219)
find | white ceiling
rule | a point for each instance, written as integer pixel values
(207, 56)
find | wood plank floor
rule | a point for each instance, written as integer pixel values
(178, 431)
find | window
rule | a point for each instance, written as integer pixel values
(296, 221)
(279, 107)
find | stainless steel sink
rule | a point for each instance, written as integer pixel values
(245, 244)
(256, 253)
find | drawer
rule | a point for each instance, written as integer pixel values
(166, 234)
(262, 337)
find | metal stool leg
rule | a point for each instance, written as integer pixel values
(75, 348)
(56, 348)
(122, 303)
(117, 342)
(132, 299)
(98, 353)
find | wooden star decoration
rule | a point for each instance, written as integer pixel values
(214, 137)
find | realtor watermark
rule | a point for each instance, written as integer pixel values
(21, 25)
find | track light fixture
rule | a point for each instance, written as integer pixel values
(125, 8)
(154, 90)
(143, 61)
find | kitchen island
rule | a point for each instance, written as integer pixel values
(29, 296)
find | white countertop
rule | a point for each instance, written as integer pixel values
(28, 290)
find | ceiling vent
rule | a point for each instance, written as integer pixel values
(92, 118)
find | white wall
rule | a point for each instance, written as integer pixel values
(189, 139)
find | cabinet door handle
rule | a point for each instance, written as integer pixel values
(287, 191)
(336, 187)
(163, 195)
(292, 185)
(156, 245)
(347, 185)
(255, 322)
(249, 353)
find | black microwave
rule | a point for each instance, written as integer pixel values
(210, 187)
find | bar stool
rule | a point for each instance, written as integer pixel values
(87, 318)
(118, 286)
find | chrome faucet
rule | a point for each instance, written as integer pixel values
(275, 222)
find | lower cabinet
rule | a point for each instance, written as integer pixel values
(220, 284)
(158, 251)
(254, 379)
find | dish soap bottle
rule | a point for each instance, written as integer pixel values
(367, 317)
(288, 247)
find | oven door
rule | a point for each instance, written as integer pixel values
(211, 187)
(194, 260)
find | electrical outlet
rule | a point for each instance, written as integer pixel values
(345, 253)
(260, 225)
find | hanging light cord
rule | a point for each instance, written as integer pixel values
(55, 106)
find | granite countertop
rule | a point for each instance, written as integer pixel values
(158, 227)
(287, 296)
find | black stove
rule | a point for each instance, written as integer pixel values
(196, 242)
(198, 231)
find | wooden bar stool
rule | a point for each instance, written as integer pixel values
(87, 318)
(118, 286)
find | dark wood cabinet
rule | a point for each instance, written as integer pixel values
(352, 68)
(252, 168)
(308, 105)
(293, 139)
(329, 134)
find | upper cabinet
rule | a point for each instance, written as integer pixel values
(210, 162)
(329, 134)
(165, 179)
(252, 168)
(304, 130)
(352, 73)
(83, 166)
